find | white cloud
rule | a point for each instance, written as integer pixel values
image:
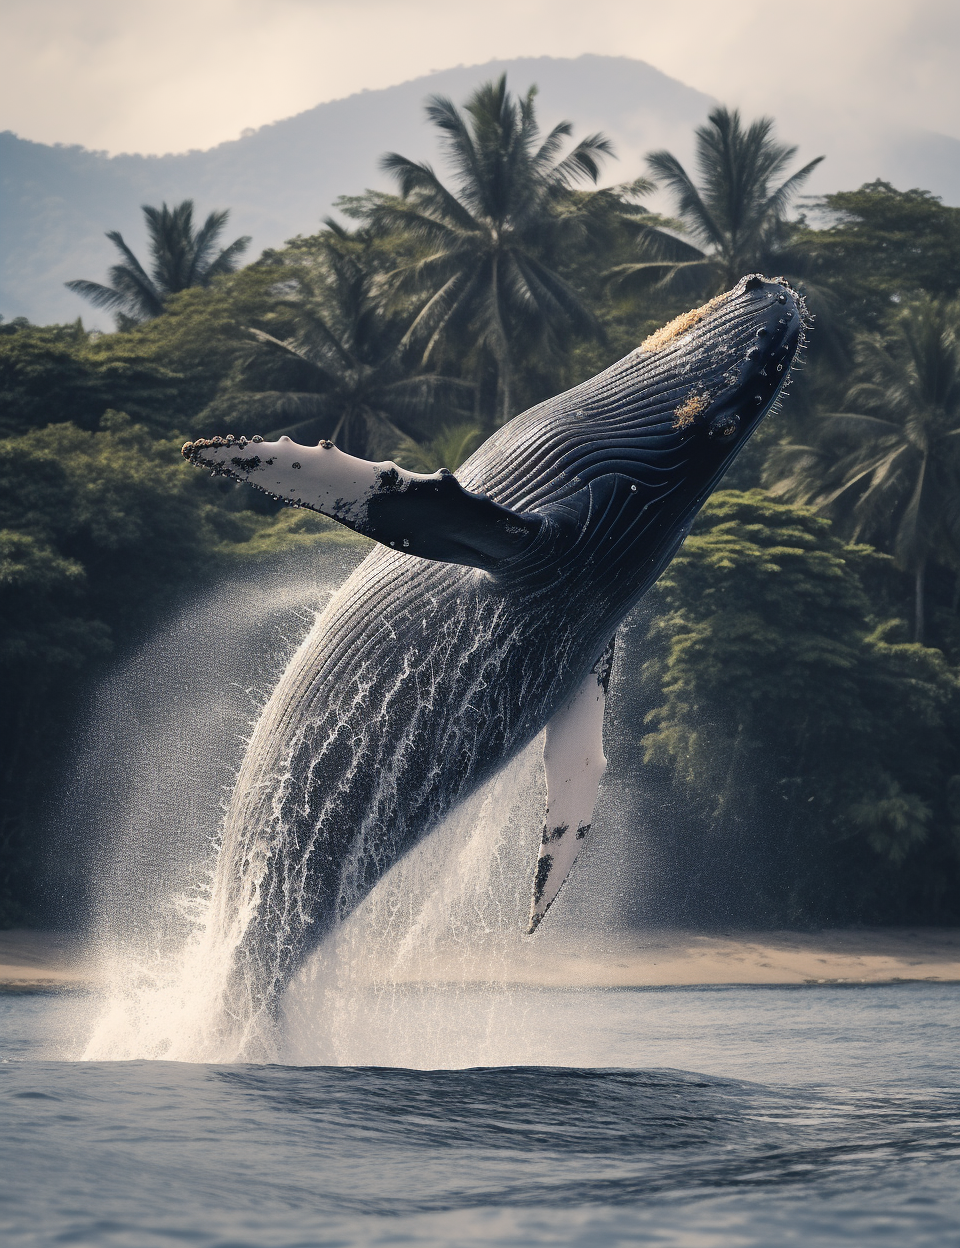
(133, 75)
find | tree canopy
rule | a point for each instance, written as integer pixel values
(487, 251)
(776, 681)
(889, 465)
(735, 221)
(347, 368)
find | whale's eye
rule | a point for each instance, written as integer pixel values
(724, 427)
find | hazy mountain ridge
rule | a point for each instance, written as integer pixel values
(57, 201)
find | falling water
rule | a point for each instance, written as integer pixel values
(431, 970)
(168, 733)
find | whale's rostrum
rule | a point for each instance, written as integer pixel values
(487, 614)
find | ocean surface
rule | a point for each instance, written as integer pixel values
(689, 1117)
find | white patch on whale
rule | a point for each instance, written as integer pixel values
(574, 763)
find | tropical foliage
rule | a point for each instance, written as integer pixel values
(182, 257)
(348, 368)
(888, 467)
(790, 705)
(487, 252)
(771, 661)
(734, 221)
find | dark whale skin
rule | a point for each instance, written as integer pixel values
(422, 678)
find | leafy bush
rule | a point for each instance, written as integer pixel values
(790, 714)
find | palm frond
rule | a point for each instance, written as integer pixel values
(100, 296)
(584, 162)
(226, 261)
(777, 203)
(551, 147)
(690, 205)
(202, 245)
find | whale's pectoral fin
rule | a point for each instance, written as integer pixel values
(574, 761)
(432, 516)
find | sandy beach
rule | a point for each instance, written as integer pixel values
(34, 961)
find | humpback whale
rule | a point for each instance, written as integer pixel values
(487, 613)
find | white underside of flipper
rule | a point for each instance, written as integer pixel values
(575, 764)
(429, 515)
(320, 477)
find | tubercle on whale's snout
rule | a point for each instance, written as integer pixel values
(191, 450)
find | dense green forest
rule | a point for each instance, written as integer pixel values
(790, 720)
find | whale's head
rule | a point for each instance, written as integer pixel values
(665, 422)
(628, 458)
(716, 371)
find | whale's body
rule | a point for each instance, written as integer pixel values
(423, 677)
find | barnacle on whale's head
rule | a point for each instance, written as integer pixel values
(663, 336)
(690, 409)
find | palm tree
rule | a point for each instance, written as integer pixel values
(486, 251)
(346, 371)
(182, 257)
(888, 468)
(446, 449)
(734, 221)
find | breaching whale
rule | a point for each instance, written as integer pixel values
(487, 614)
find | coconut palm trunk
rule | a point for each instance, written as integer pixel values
(919, 601)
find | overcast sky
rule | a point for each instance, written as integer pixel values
(146, 76)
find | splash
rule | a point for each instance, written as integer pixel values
(431, 969)
(438, 939)
(150, 788)
(424, 973)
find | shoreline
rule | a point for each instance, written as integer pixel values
(37, 961)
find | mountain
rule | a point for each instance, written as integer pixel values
(279, 181)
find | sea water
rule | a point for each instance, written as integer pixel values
(693, 1117)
